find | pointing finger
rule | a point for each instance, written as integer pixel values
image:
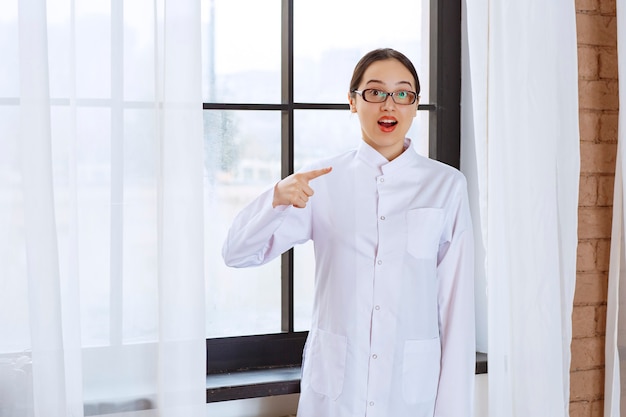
(311, 175)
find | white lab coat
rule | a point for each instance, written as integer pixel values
(392, 331)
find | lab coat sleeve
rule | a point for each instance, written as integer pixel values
(260, 232)
(455, 396)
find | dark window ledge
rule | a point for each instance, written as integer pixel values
(252, 384)
(268, 382)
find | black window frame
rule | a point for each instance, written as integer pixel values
(284, 350)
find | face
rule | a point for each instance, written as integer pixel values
(384, 125)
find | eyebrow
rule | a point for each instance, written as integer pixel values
(382, 82)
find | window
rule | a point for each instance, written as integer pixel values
(275, 96)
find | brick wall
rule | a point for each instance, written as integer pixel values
(598, 103)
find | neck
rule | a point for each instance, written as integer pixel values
(393, 151)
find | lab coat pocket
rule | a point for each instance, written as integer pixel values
(424, 228)
(326, 362)
(420, 372)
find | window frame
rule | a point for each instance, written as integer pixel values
(284, 350)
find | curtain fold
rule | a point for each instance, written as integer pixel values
(615, 348)
(181, 249)
(42, 274)
(101, 209)
(521, 151)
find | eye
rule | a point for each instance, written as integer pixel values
(374, 95)
(402, 94)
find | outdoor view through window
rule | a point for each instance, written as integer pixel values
(242, 65)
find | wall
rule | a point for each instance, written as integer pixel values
(598, 103)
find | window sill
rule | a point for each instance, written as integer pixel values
(269, 382)
(252, 384)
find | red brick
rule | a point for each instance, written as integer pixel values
(584, 321)
(589, 125)
(594, 222)
(588, 191)
(607, 7)
(587, 5)
(597, 408)
(603, 252)
(598, 95)
(606, 185)
(608, 123)
(580, 409)
(601, 320)
(587, 385)
(587, 353)
(596, 30)
(586, 256)
(591, 288)
(607, 63)
(588, 63)
(598, 158)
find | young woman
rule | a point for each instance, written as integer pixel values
(392, 332)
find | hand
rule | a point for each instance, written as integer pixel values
(294, 190)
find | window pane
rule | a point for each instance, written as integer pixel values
(140, 211)
(327, 45)
(323, 133)
(320, 134)
(93, 49)
(241, 57)
(242, 159)
(93, 174)
(139, 50)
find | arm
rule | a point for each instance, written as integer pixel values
(270, 225)
(455, 397)
(261, 232)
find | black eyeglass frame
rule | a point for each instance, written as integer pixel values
(387, 94)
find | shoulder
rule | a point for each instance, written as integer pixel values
(443, 171)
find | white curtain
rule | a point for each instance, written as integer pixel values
(615, 350)
(520, 151)
(101, 208)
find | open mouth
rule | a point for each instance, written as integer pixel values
(387, 124)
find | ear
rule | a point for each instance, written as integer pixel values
(352, 102)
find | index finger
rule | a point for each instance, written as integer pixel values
(311, 175)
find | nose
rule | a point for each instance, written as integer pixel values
(388, 104)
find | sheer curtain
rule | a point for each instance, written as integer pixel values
(520, 151)
(615, 364)
(101, 211)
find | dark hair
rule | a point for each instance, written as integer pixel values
(381, 55)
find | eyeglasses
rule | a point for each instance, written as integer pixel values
(372, 95)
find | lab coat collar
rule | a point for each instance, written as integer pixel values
(374, 159)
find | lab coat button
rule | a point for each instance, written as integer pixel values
(380, 262)
(374, 356)
(382, 180)
(377, 307)
(382, 217)
(371, 403)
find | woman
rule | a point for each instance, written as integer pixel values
(392, 331)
